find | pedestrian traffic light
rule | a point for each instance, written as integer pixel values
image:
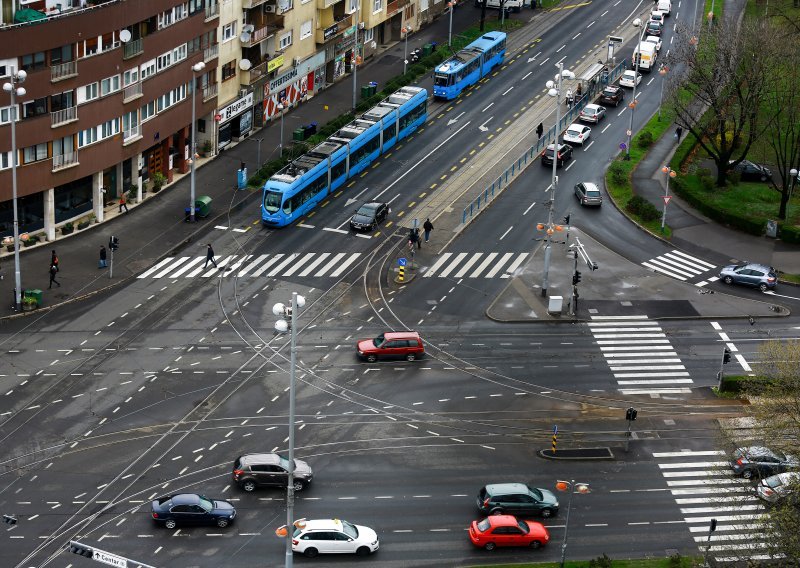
(726, 356)
(113, 243)
(81, 549)
(566, 219)
(631, 413)
(576, 277)
(10, 519)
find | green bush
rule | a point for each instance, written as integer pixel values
(790, 233)
(639, 206)
(601, 562)
(644, 139)
(618, 172)
(708, 182)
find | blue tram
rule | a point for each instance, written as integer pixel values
(305, 181)
(469, 65)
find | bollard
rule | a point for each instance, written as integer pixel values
(402, 274)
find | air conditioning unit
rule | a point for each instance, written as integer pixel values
(296, 61)
(270, 8)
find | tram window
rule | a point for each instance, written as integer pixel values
(389, 132)
(272, 201)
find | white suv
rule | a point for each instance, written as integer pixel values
(332, 536)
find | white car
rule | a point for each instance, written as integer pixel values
(655, 40)
(628, 77)
(656, 16)
(577, 134)
(332, 536)
(776, 487)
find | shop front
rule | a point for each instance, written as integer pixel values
(293, 86)
(235, 120)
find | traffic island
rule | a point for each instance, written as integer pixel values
(601, 453)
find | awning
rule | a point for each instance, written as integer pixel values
(592, 72)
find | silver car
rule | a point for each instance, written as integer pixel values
(588, 194)
(761, 276)
(776, 487)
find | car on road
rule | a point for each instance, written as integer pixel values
(332, 536)
(761, 276)
(748, 170)
(761, 462)
(653, 28)
(588, 194)
(656, 16)
(192, 509)
(507, 530)
(577, 134)
(516, 499)
(655, 40)
(779, 486)
(251, 471)
(369, 216)
(612, 95)
(627, 78)
(564, 154)
(392, 345)
(593, 113)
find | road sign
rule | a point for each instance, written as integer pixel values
(666, 199)
(110, 559)
(628, 133)
(614, 39)
(402, 261)
(217, 117)
(622, 145)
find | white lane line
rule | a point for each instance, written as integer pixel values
(504, 234)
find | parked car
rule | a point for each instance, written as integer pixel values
(516, 499)
(655, 40)
(653, 28)
(750, 274)
(612, 95)
(657, 16)
(506, 530)
(577, 134)
(392, 345)
(369, 216)
(333, 536)
(192, 509)
(593, 113)
(664, 6)
(269, 470)
(627, 78)
(760, 461)
(564, 154)
(779, 486)
(748, 170)
(588, 194)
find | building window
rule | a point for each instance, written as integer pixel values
(62, 101)
(109, 128)
(179, 53)
(148, 110)
(34, 153)
(195, 45)
(377, 6)
(305, 30)
(148, 69)
(61, 54)
(228, 31)
(369, 35)
(353, 6)
(6, 113)
(65, 145)
(35, 107)
(175, 14)
(285, 40)
(33, 61)
(130, 76)
(229, 70)
(88, 93)
(5, 160)
(86, 137)
(109, 85)
(287, 6)
(164, 61)
(195, 6)
(130, 124)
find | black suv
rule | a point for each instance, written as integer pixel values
(759, 461)
(369, 216)
(259, 470)
(516, 499)
(612, 95)
(564, 154)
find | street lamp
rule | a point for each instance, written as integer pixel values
(16, 78)
(355, 56)
(450, 29)
(670, 174)
(793, 175)
(662, 71)
(572, 488)
(258, 156)
(405, 31)
(637, 56)
(280, 145)
(282, 326)
(196, 68)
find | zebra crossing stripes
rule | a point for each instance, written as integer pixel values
(704, 487)
(476, 265)
(639, 355)
(681, 266)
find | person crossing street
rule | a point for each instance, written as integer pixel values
(53, 272)
(210, 257)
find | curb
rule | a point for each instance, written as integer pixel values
(574, 454)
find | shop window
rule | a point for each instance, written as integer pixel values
(229, 70)
(36, 107)
(72, 199)
(33, 61)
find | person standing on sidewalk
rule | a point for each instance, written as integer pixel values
(123, 203)
(427, 227)
(678, 132)
(210, 256)
(53, 272)
(102, 263)
(540, 130)
(54, 260)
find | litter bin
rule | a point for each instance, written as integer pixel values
(35, 294)
(365, 91)
(202, 207)
(299, 134)
(310, 129)
(428, 48)
(373, 88)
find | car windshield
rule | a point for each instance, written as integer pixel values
(440, 80)
(272, 201)
(773, 481)
(349, 529)
(378, 341)
(206, 504)
(523, 526)
(484, 525)
(284, 463)
(296, 532)
(366, 211)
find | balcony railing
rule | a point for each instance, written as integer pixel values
(63, 70)
(65, 160)
(211, 52)
(131, 132)
(209, 92)
(256, 72)
(131, 92)
(63, 116)
(324, 35)
(133, 48)
(322, 4)
(260, 35)
(212, 11)
(395, 6)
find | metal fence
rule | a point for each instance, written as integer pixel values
(491, 191)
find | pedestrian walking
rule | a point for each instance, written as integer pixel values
(54, 260)
(123, 203)
(678, 132)
(540, 130)
(102, 263)
(53, 272)
(427, 227)
(413, 238)
(210, 257)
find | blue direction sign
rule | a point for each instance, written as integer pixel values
(401, 261)
(622, 146)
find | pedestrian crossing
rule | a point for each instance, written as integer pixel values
(705, 488)
(640, 355)
(476, 265)
(681, 266)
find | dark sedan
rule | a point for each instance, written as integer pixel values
(369, 216)
(748, 170)
(761, 462)
(192, 509)
(612, 95)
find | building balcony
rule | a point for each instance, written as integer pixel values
(63, 71)
(211, 52)
(260, 35)
(322, 4)
(395, 6)
(133, 48)
(212, 12)
(247, 4)
(324, 35)
(63, 116)
(132, 92)
(66, 160)
(209, 92)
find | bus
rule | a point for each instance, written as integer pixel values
(469, 65)
(305, 181)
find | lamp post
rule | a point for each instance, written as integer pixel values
(450, 28)
(355, 55)
(670, 174)
(572, 488)
(793, 175)
(637, 56)
(258, 155)
(662, 71)
(280, 145)
(16, 78)
(282, 326)
(196, 68)
(405, 31)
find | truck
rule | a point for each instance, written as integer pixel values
(647, 59)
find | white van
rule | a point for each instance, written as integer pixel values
(664, 6)
(648, 57)
(508, 5)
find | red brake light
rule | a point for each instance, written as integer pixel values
(238, 472)
(740, 461)
(486, 502)
(155, 515)
(295, 542)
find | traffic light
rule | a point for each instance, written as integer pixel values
(81, 549)
(10, 519)
(576, 277)
(631, 413)
(566, 219)
(726, 356)
(113, 243)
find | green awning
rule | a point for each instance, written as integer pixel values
(24, 15)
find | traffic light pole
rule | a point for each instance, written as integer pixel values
(102, 556)
(574, 300)
(630, 416)
(726, 357)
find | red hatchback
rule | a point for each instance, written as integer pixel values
(507, 530)
(392, 345)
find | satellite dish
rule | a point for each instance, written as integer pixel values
(283, 5)
(245, 37)
(125, 36)
(248, 28)
(245, 64)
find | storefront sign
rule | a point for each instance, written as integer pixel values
(237, 107)
(331, 31)
(281, 80)
(275, 63)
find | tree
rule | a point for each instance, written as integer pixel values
(719, 85)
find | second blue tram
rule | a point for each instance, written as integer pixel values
(469, 65)
(305, 181)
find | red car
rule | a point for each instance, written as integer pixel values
(391, 345)
(507, 530)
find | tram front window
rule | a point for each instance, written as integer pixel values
(272, 201)
(441, 80)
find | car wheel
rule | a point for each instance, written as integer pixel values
(497, 512)
(249, 485)
(362, 551)
(763, 177)
(536, 544)
(310, 552)
(222, 523)
(747, 473)
(371, 358)
(299, 485)
(763, 287)
(410, 357)
(547, 513)
(490, 546)
(728, 280)
(170, 524)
